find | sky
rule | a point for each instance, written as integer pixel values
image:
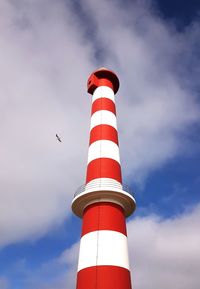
(48, 50)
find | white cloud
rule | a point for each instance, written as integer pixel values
(44, 64)
(4, 283)
(56, 273)
(165, 253)
(42, 93)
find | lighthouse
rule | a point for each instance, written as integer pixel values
(103, 202)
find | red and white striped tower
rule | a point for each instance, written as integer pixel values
(103, 202)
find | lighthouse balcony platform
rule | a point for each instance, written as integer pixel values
(103, 190)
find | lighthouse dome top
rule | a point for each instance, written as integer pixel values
(100, 74)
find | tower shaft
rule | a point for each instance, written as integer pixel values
(102, 202)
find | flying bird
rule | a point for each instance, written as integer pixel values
(58, 138)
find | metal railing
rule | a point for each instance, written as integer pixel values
(103, 185)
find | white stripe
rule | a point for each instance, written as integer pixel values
(103, 182)
(103, 91)
(103, 117)
(103, 248)
(103, 149)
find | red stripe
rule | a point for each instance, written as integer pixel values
(105, 82)
(103, 277)
(103, 131)
(103, 168)
(104, 216)
(103, 103)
